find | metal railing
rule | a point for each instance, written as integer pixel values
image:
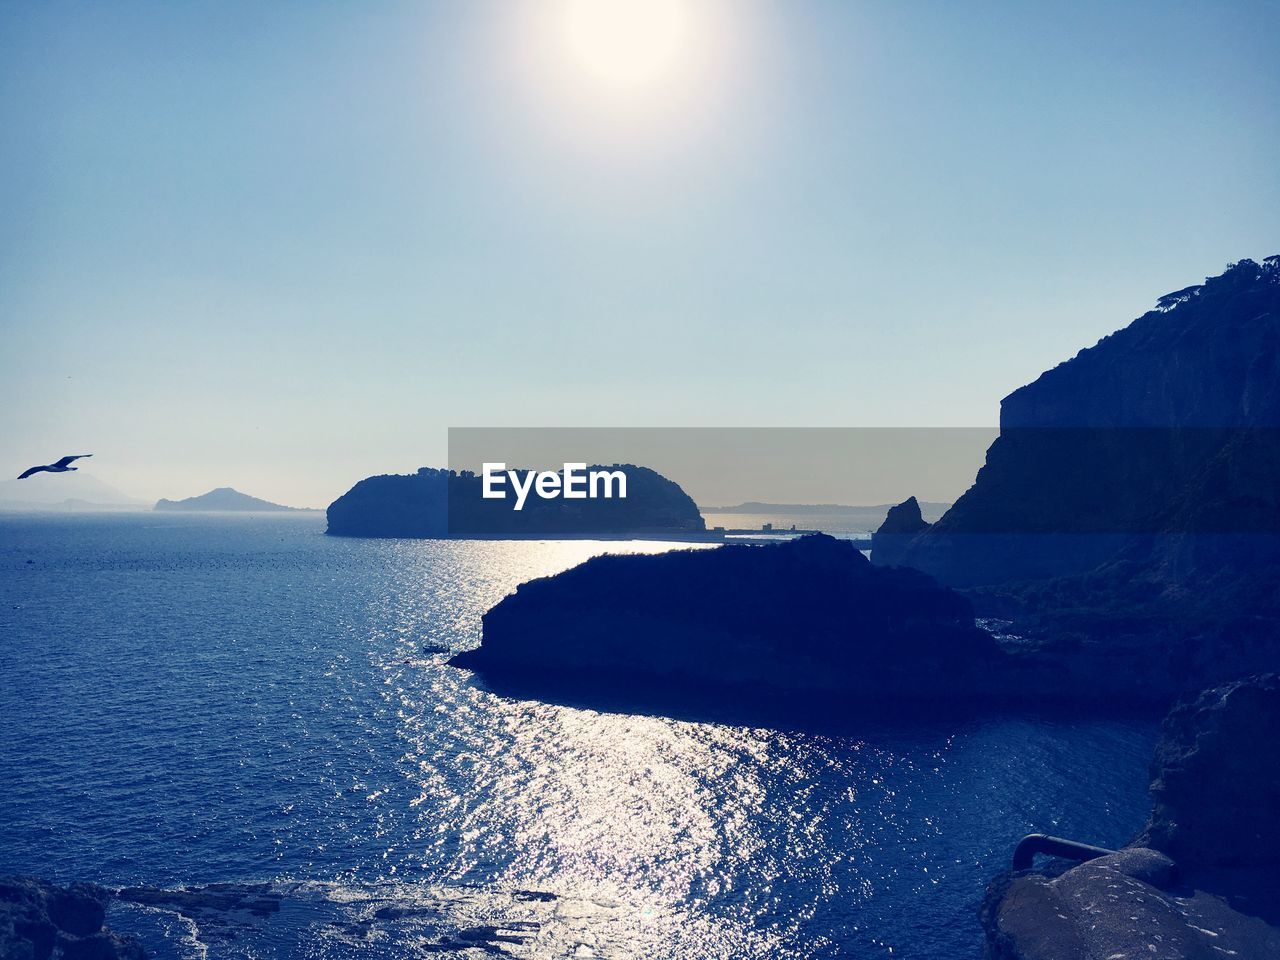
(1024, 853)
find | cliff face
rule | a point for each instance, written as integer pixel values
(1167, 428)
(1216, 778)
(443, 504)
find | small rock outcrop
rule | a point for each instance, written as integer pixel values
(1201, 881)
(444, 504)
(901, 524)
(39, 921)
(808, 617)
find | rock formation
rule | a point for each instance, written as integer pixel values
(901, 525)
(1168, 427)
(1201, 880)
(1127, 519)
(445, 504)
(39, 920)
(808, 617)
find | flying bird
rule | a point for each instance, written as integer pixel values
(62, 466)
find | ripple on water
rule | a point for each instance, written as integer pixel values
(234, 699)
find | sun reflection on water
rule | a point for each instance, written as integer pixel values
(296, 720)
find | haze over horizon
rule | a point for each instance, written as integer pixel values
(283, 247)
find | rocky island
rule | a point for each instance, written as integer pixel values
(447, 504)
(807, 618)
(224, 500)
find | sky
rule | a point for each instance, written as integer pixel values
(285, 246)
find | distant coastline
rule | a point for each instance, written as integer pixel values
(756, 506)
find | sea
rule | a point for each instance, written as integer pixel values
(245, 709)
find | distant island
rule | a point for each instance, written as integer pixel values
(225, 500)
(447, 504)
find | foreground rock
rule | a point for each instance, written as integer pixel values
(1201, 881)
(39, 920)
(443, 504)
(807, 617)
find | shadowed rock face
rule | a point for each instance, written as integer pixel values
(1170, 426)
(39, 920)
(806, 616)
(1216, 778)
(1201, 881)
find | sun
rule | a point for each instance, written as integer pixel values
(626, 45)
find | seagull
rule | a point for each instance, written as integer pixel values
(62, 466)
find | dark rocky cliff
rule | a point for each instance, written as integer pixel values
(446, 504)
(1167, 427)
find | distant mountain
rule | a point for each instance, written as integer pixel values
(64, 491)
(224, 499)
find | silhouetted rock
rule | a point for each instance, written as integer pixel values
(1169, 426)
(447, 504)
(1216, 778)
(1127, 519)
(901, 524)
(39, 920)
(223, 499)
(807, 617)
(1201, 881)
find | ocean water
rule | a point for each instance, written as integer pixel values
(216, 699)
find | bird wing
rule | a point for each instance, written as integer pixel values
(30, 470)
(75, 456)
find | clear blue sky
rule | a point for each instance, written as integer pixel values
(283, 246)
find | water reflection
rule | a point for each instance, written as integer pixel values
(293, 720)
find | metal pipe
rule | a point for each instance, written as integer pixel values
(1024, 853)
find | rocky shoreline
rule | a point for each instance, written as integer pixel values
(1201, 881)
(40, 920)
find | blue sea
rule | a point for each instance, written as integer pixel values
(241, 700)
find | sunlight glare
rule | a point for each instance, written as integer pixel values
(626, 45)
